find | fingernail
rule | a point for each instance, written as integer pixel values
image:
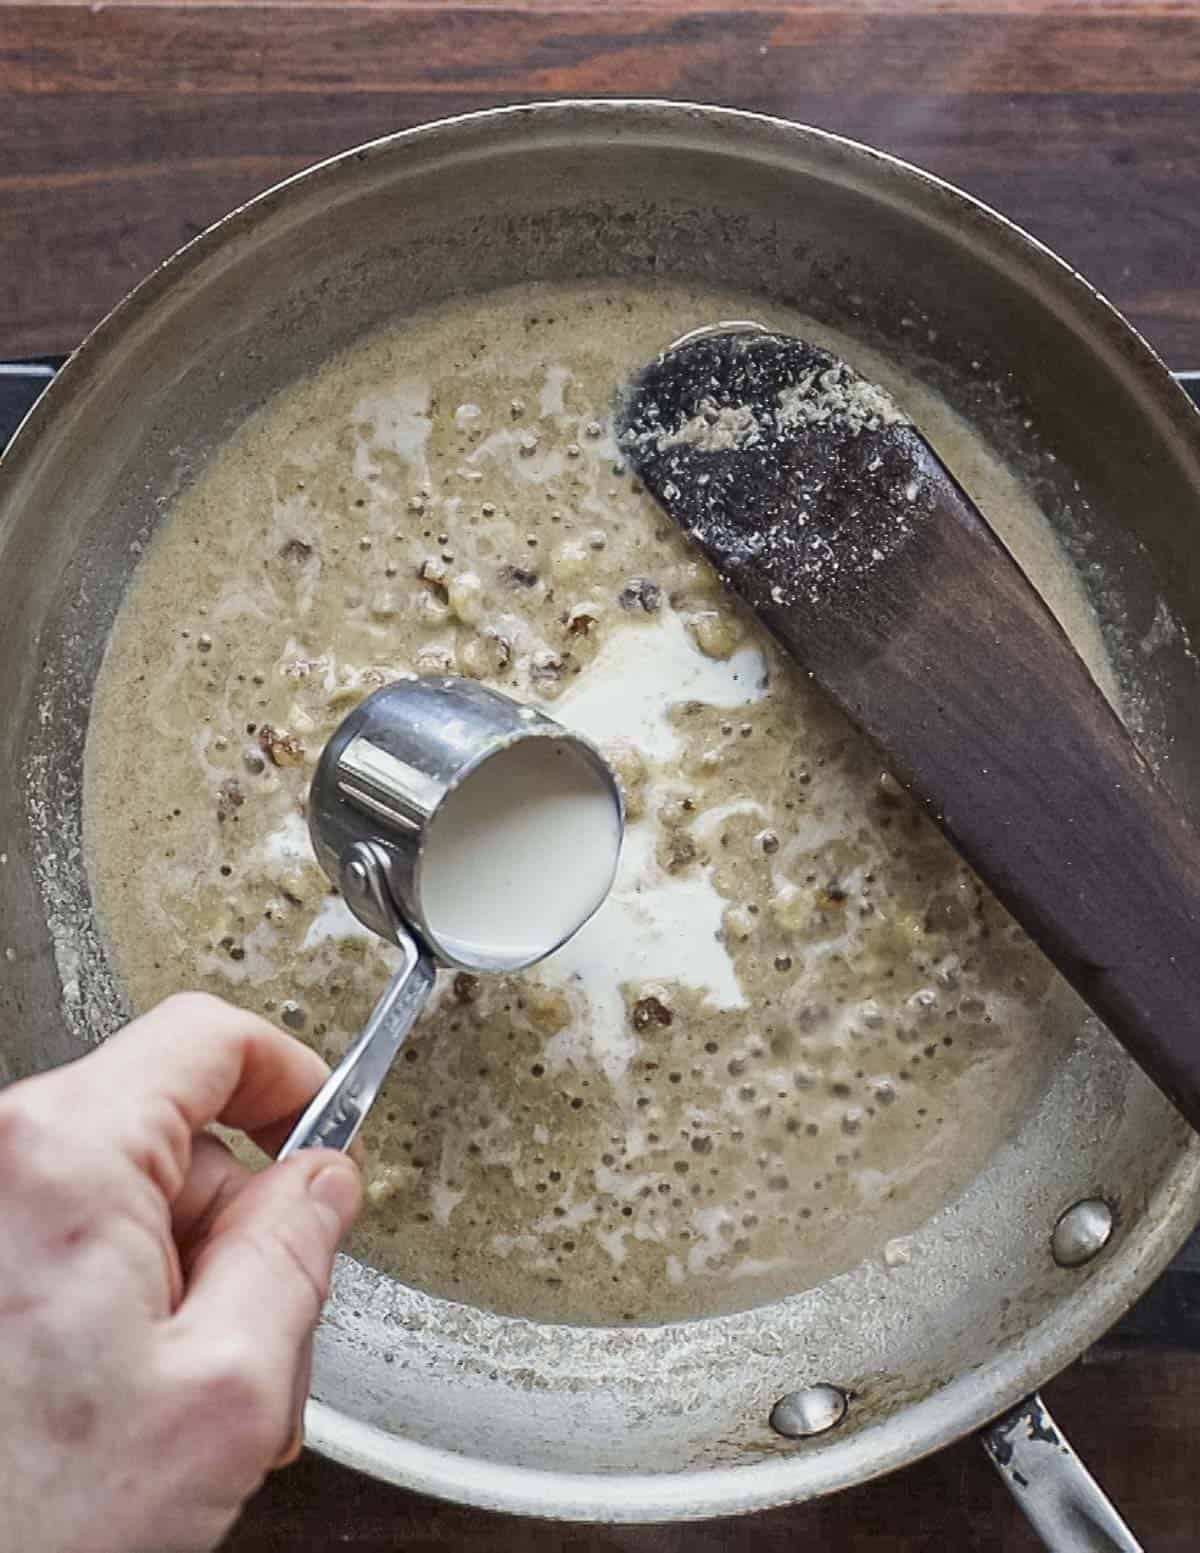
(291, 1451)
(336, 1192)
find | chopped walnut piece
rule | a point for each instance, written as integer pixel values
(546, 665)
(889, 794)
(435, 658)
(630, 770)
(650, 1011)
(464, 594)
(676, 851)
(431, 606)
(490, 653)
(715, 632)
(640, 593)
(283, 749)
(548, 1007)
(466, 987)
(304, 884)
(791, 908)
(580, 622)
(389, 1180)
(296, 550)
(229, 798)
(675, 808)
(738, 923)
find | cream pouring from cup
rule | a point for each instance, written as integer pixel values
(471, 832)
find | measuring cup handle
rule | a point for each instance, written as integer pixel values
(337, 1112)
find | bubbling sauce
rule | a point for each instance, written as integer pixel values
(797, 1025)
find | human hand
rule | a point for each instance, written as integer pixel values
(157, 1299)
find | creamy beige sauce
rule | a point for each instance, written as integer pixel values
(797, 1026)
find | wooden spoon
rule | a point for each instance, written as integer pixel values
(838, 525)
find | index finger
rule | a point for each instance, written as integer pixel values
(195, 1059)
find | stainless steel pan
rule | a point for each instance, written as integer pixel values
(673, 1421)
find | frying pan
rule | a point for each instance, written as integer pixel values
(1098, 1182)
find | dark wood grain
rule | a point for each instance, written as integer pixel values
(125, 129)
(1131, 1415)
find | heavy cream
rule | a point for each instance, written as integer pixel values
(520, 854)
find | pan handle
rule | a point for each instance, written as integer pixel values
(1061, 1499)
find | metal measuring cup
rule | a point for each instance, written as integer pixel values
(380, 783)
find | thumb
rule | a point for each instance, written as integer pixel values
(263, 1268)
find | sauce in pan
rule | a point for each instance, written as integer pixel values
(797, 1025)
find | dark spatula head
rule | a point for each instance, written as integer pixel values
(806, 484)
(838, 525)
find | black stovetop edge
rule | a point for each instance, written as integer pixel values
(21, 383)
(1167, 1314)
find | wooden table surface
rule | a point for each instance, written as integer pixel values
(125, 128)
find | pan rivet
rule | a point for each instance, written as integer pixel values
(815, 1410)
(1081, 1232)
